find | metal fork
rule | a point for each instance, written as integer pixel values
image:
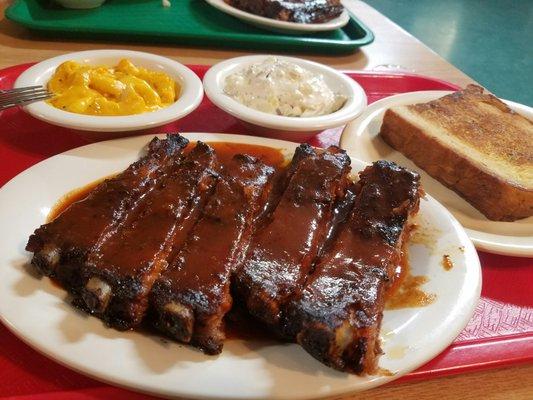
(22, 96)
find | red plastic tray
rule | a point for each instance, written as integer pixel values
(500, 333)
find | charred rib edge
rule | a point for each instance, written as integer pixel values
(47, 259)
(97, 294)
(177, 320)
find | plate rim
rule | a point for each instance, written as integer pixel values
(467, 309)
(487, 241)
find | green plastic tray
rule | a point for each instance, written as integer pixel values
(187, 22)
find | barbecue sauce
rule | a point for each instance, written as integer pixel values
(447, 262)
(406, 291)
(241, 326)
(72, 197)
(225, 152)
(400, 274)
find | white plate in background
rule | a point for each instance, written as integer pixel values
(281, 26)
(361, 139)
(36, 310)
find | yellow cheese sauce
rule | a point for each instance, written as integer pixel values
(121, 90)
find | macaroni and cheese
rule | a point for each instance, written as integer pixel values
(121, 90)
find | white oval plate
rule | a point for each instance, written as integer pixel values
(281, 26)
(190, 97)
(36, 310)
(361, 139)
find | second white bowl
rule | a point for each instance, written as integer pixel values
(277, 126)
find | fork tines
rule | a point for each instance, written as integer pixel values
(21, 96)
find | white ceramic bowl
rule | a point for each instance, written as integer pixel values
(277, 126)
(190, 96)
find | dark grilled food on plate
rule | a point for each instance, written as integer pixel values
(61, 247)
(337, 314)
(183, 236)
(282, 253)
(300, 11)
(192, 297)
(119, 273)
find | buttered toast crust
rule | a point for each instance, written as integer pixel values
(473, 144)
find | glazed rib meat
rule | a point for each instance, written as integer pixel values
(184, 237)
(120, 273)
(281, 254)
(281, 180)
(62, 245)
(301, 11)
(193, 296)
(341, 211)
(337, 316)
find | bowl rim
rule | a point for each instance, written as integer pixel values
(191, 94)
(213, 87)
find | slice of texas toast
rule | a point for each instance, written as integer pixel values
(473, 143)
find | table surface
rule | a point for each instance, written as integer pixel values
(490, 40)
(392, 47)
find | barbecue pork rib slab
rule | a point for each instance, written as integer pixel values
(120, 273)
(281, 253)
(301, 11)
(337, 315)
(62, 245)
(192, 297)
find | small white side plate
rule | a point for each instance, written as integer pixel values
(361, 138)
(36, 310)
(281, 26)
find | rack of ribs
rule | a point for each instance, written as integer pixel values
(62, 245)
(120, 272)
(301, 11)
(337, 315)
(282, 252)
(192, 297)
